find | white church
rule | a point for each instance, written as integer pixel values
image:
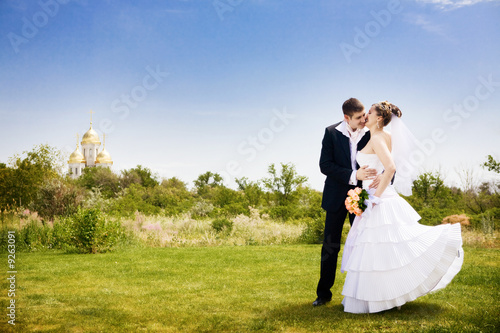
(89, 155)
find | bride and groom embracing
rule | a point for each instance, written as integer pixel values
(390, 258)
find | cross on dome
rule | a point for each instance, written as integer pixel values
(91, 112)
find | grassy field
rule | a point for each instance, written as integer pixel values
(227, 289)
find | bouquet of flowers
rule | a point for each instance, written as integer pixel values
(355, 201)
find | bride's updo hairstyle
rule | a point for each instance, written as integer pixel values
(386, 110)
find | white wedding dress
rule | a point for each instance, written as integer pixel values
(390, 258)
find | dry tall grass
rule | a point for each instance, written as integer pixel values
(478, 238)
(161, 231)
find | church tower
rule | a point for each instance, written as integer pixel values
(76, 162)
(91, 156)
(103, 158)
(90, 145)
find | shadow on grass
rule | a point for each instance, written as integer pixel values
(332, 316)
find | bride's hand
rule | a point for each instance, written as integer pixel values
(375, 182)
(373, 200)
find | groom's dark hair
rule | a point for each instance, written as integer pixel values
(351, 106)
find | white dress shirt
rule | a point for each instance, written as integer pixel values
(354, 138)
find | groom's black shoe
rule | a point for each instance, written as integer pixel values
(320, 301)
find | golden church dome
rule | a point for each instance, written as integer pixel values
(91, 136)
(103, 157)
(76, 157)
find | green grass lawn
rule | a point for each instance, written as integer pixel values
(227, 289)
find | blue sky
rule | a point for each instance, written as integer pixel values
(231, 86)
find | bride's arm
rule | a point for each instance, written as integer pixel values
(382, 150)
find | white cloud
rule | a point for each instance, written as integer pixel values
(453, 4)
(427, 25)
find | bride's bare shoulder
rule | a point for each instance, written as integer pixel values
(382, 138)
(388, 139)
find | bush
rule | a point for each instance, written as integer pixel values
(309, 203)
(134, 198)
(487, 221)
(433, 215)
(32, 237)
(63, 233)
(31, 233)
(57, 198)
(102, 178)
(201, 209)
(283, 213)
(235, 209)
(35, 236)
(93, 234)
(314, 232)
(487, 224)
(222, 225)
(95, 199)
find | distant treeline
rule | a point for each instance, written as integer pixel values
(37, 180)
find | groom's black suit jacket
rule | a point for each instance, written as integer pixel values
(335, 163)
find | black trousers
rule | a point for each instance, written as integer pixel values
(329, 252)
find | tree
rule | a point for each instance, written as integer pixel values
(228, 201)
(309, 202)
(207, 181)
(433, 200)
(283, 184)
(8, 188)
(57, 198)
(491, 164)
(129, 177)
(139, 175)
(174, 195)
(45, 157)
(21, 181)
(102, 178)
(252, 191)
(428, 186)
(174, 183)
(479, 197)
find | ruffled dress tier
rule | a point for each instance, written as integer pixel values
(390, 258)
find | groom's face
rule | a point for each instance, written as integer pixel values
(357, 121)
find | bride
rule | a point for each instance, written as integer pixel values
(390, 258)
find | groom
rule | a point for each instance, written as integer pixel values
(340, 145)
